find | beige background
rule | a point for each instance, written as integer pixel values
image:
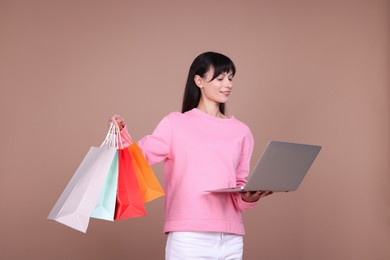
(308, 71)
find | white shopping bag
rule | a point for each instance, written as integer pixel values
(78, 200)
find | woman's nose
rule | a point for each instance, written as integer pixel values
(229, 84)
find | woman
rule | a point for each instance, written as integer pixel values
(203, 149)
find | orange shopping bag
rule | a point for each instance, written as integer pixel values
(147, 180)
(149, 185)
(129, 202)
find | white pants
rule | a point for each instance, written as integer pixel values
(203, 245)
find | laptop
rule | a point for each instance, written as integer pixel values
(281, 168)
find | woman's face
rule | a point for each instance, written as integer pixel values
(217, 90)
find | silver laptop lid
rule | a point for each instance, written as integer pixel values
(282, 166)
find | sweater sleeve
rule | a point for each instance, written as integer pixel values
(243, 170)
(157, 146)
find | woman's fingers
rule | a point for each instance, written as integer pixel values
(265, 193)
(118, 120)
(255, 196)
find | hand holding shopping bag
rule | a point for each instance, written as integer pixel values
(111, 183)
(78, 200)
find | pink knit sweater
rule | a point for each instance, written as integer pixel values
(201, 152)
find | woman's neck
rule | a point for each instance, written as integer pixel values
(211, 109)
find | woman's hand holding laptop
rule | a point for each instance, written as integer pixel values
(254, 196)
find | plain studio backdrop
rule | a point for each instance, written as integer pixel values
(308, 71)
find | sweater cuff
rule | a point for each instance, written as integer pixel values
(243, 205)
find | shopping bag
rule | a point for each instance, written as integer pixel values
(78, 200)
(105, 207)
(148, 182)
(129, 201)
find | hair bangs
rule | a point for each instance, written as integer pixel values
(223, 66)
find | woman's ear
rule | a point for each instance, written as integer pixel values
(198, 81)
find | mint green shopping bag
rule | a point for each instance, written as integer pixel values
(105, 207)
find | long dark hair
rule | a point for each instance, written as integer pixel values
(200, 66)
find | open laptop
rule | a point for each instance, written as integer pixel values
(281, 168)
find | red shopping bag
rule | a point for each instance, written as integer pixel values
(129, 201)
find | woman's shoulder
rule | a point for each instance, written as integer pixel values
(174, 115)
(240, 124)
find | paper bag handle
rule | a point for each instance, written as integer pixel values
(113, 137)
(124, 134)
